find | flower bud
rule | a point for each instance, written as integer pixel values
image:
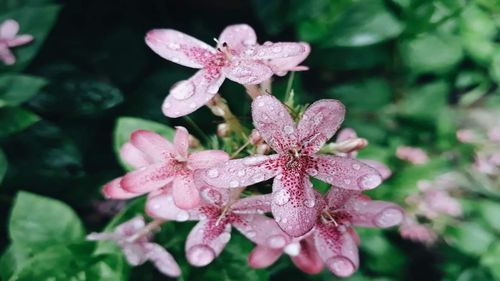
(413, 155)
(223, 130)
(255, 137)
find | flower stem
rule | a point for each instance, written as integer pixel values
(253, 91)
(219, 107)
(146, 230)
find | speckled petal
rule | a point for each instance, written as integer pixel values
(308, 259)
(337, 197)
(262, 231)
(294, 205)
(240, 172)
(344, 172)
(181, 141)
(206, 159)
(281, 50)
(382, 169)
(188, 95)
(133, 156)
(160, 205)
(262, 257)
(256, 204)
(274, 123)
(319, 123)
(368, 213)
(337, 249)
(247, 72)
(237, 37)
(281, 66)
(185, 193)
(153, 145)
(206, 241)
(162, 260)
(178, 47)
(148, 178)
(113, 190)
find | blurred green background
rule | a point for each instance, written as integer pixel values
(407, 70)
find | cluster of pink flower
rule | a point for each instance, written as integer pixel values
(206, 186)
(10, 39)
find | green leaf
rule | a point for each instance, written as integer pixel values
(126, 125)
(3, 165)
(489, 211)
(38, 222)
(15, 119)
(491, 261)
(431, 53)
(36, 21)
(416, 104)
(379, 251)
(77, 96)
(12, 260)
(364, 23)
(363, 95)
(7, 5)
(16, 89)
(471, 238)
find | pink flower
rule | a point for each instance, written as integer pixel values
(220, 210)
(137, 247)
(238, 57)
(294, 202)
(333, 242)
(416, 232)
(413, 155)
(10, 39)
(435, 201)
(159, 163)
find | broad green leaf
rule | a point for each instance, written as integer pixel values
(363, 95)
(345, 58)
(15, 119)
(417, 103)
(34, 20)
(12, 260)
(379, 250)
(16, 89)
(7, 5)
(3, 165)
(37, 222)
(364, 23)
(471, 238)
(125, 126)
(77, 96)
(431, 53)
(489, 211)
(491, 261)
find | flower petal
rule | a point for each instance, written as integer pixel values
(114, 190)
(382, 169)
(294, 206)
(130, 227)
(206, 159)
(237, 37)
(256, 204)
(281, 50)
(134, 253)
(338, 249)
(160, 205)
(133, 156)
(274, 123)
(6, 56)
(262, 231)
(188, 95)
(370, 213)
(261, 257)
(185, 194)
(338, 197)
(240, 172)
(308, 259)
(319, 123)
(9, 29)
(156, 147)
(346, 134)
(281, 66)
(148, 178)
(178, 47)
(20, 40)
(181, 141)
(344, 172)
(247, 72)
(162, 260)
(206, 241)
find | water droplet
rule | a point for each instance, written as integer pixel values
(254, 160)
(276, 241)
(329, 179)
(250, 51)
(288, 130)
(211, 195)
(251, 234)
(156, 206)
(167, 105)
(231, 170)
(356, 166)
(183, 90)
(369, 181)
(277, 49)
(347, 181)
(234, 183)
(225, 237)
(213, 173)
(312, 172)
(341, 266)
(176, 60)
(281, 197)
(309, 203)
(212, 89)
(182, 216)
(268, 43)
(292, 249)
(173, 46)
(389, 217)
(241, 173)
(192, 105)
(200, 255)
(281, 114)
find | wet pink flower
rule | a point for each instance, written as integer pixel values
(159, 163)
(333, 241)
(137, 247)
(219, 211)
(494, 134)
(416, 232)
(237, 57)
(9, 39)
(294, 202)
(414, 155)
(435, 201)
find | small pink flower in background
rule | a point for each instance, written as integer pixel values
(238, 57)
(494, 134)
(413, 155)
(9, 39)
(435, 200)
(467, 136)
(159, 163)
(416, 232)
(137, 248)
(218, 212)
(294, 202)
(333, 242)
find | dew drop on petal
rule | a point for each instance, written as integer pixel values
(277, 49)
(389, 217)
(225, 237)
(281, 197)
(356, 166)
(347, 181)
(312, 172)
(292, 249)
(309, 203)
(288, 130)
(212, 89)
(213, 173)
(183, 90)
(182, 216)
(241, 173)
(257, 177)
(341, 266)
(276, 241)
(167, 105)
(369, 181)
(200, 255)
(234, 183)
(192, 105)
(173, 46)
(251, 234)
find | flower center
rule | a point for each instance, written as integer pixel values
(294, 158)
(335, 217)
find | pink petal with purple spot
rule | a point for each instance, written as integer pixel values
(247, 72)
(133, 156)
(281, 66)
(178, 47)
(262, 231)
(237, 37)
(337, 197)
(261, 257)
(344, 172)
(148, 178)
(274, 123)
(308, 259)
(319, 123)
(154, 146)
(206, 241)
(185, 193)
(382, 169)
(206, 159)
(113, 190)
(181, 141)
(370, 213)
(162, 260)
(256, 204)
(160, 205)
